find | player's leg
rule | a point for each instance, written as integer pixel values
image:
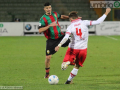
(69, 58)
(50, 50)
(48, 57)
(80, 58)
(65, 45)
(47, 65)
(72, 74)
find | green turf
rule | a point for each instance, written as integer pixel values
(22, 64)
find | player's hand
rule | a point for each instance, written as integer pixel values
(57, 48)
(107, 11)
(53, 24)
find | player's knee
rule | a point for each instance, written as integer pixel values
(77, 66)
(48, 57)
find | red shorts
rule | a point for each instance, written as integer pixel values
(79, 54)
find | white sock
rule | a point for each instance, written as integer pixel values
(73, 74)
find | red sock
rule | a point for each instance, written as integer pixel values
(47, 71)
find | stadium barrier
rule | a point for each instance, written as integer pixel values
(108, 28)
(11, 29)
(31, 28)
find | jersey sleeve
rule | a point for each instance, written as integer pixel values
(99, 20)
(41, 23)
(59, 16)
(68, 30)
(95, 22)
(87, 22)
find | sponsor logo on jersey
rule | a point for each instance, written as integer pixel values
(55, 15)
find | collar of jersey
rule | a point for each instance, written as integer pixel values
(76, 20)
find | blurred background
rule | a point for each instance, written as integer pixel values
(22, 58)
(32, 10)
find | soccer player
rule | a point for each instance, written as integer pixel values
(49, 25)
(78, 45)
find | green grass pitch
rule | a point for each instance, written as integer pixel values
(22, 63)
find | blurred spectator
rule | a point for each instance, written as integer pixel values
(17, 20)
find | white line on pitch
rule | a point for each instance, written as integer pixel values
(111, 37)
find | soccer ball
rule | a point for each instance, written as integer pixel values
(53, 79)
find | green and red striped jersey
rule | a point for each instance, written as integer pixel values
(55, 31)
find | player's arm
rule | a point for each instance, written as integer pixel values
(64, 17)
(59, 16)
(68, 32)
(107, 11)
(67, 17)
(42, 29)
(99, 20)
(62, 42)
(64, 39)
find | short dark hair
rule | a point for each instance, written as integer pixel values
(73, 15)
(47, 4)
